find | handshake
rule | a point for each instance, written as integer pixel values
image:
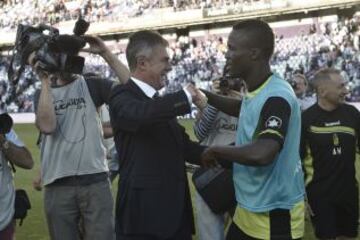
(198, 97)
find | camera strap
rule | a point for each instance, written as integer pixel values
(12, 167)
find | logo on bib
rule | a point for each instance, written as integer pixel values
(273, 122)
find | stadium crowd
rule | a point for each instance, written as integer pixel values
(13, 12)
(199, 60)
(268, 135)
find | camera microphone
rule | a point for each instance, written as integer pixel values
(68, 44)
(81, 26)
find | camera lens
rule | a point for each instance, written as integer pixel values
(224, 83)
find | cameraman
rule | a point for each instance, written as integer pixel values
(13, 151)
(73, 161)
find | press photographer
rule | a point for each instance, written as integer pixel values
(74, 171)
(13, 152)
(300, 86)
(227, 85)
(214, 127)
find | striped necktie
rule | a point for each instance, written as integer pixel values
(156, 95)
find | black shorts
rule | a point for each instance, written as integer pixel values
(235, 233)
(335, 218)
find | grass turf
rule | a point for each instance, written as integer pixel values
(34, 226)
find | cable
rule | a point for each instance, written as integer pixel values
(83, 120)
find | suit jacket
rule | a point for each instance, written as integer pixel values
(153, 191)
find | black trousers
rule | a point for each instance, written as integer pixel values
(183, 233)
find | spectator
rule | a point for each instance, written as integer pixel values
(300, 86)
(214, 127)
(201, 59)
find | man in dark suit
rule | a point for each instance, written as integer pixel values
(153, 200)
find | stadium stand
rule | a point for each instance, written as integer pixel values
(198, 59)
(117, 16)
(13, 12)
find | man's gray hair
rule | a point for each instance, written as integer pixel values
(142, 43)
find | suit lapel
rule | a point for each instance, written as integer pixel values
(172, 123)
(137, 90)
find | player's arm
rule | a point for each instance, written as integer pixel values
(205, 122)
(303, 141)
(230, 106)
(269, 138)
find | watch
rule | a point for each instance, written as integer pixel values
(5, 145)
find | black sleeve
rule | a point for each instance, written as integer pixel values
(99, 89)
(356, 116)
(192, 150)
(274, 119)
(303, 139)
(358, 130)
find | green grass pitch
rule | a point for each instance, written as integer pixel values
(34, 226)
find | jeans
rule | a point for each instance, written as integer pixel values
(74, 211)
(209, 225)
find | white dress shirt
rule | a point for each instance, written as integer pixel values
(150, 91)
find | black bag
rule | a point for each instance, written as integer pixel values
(216, 187)
(22, 205)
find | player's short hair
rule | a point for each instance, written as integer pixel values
(260, 34)
(323, 75)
